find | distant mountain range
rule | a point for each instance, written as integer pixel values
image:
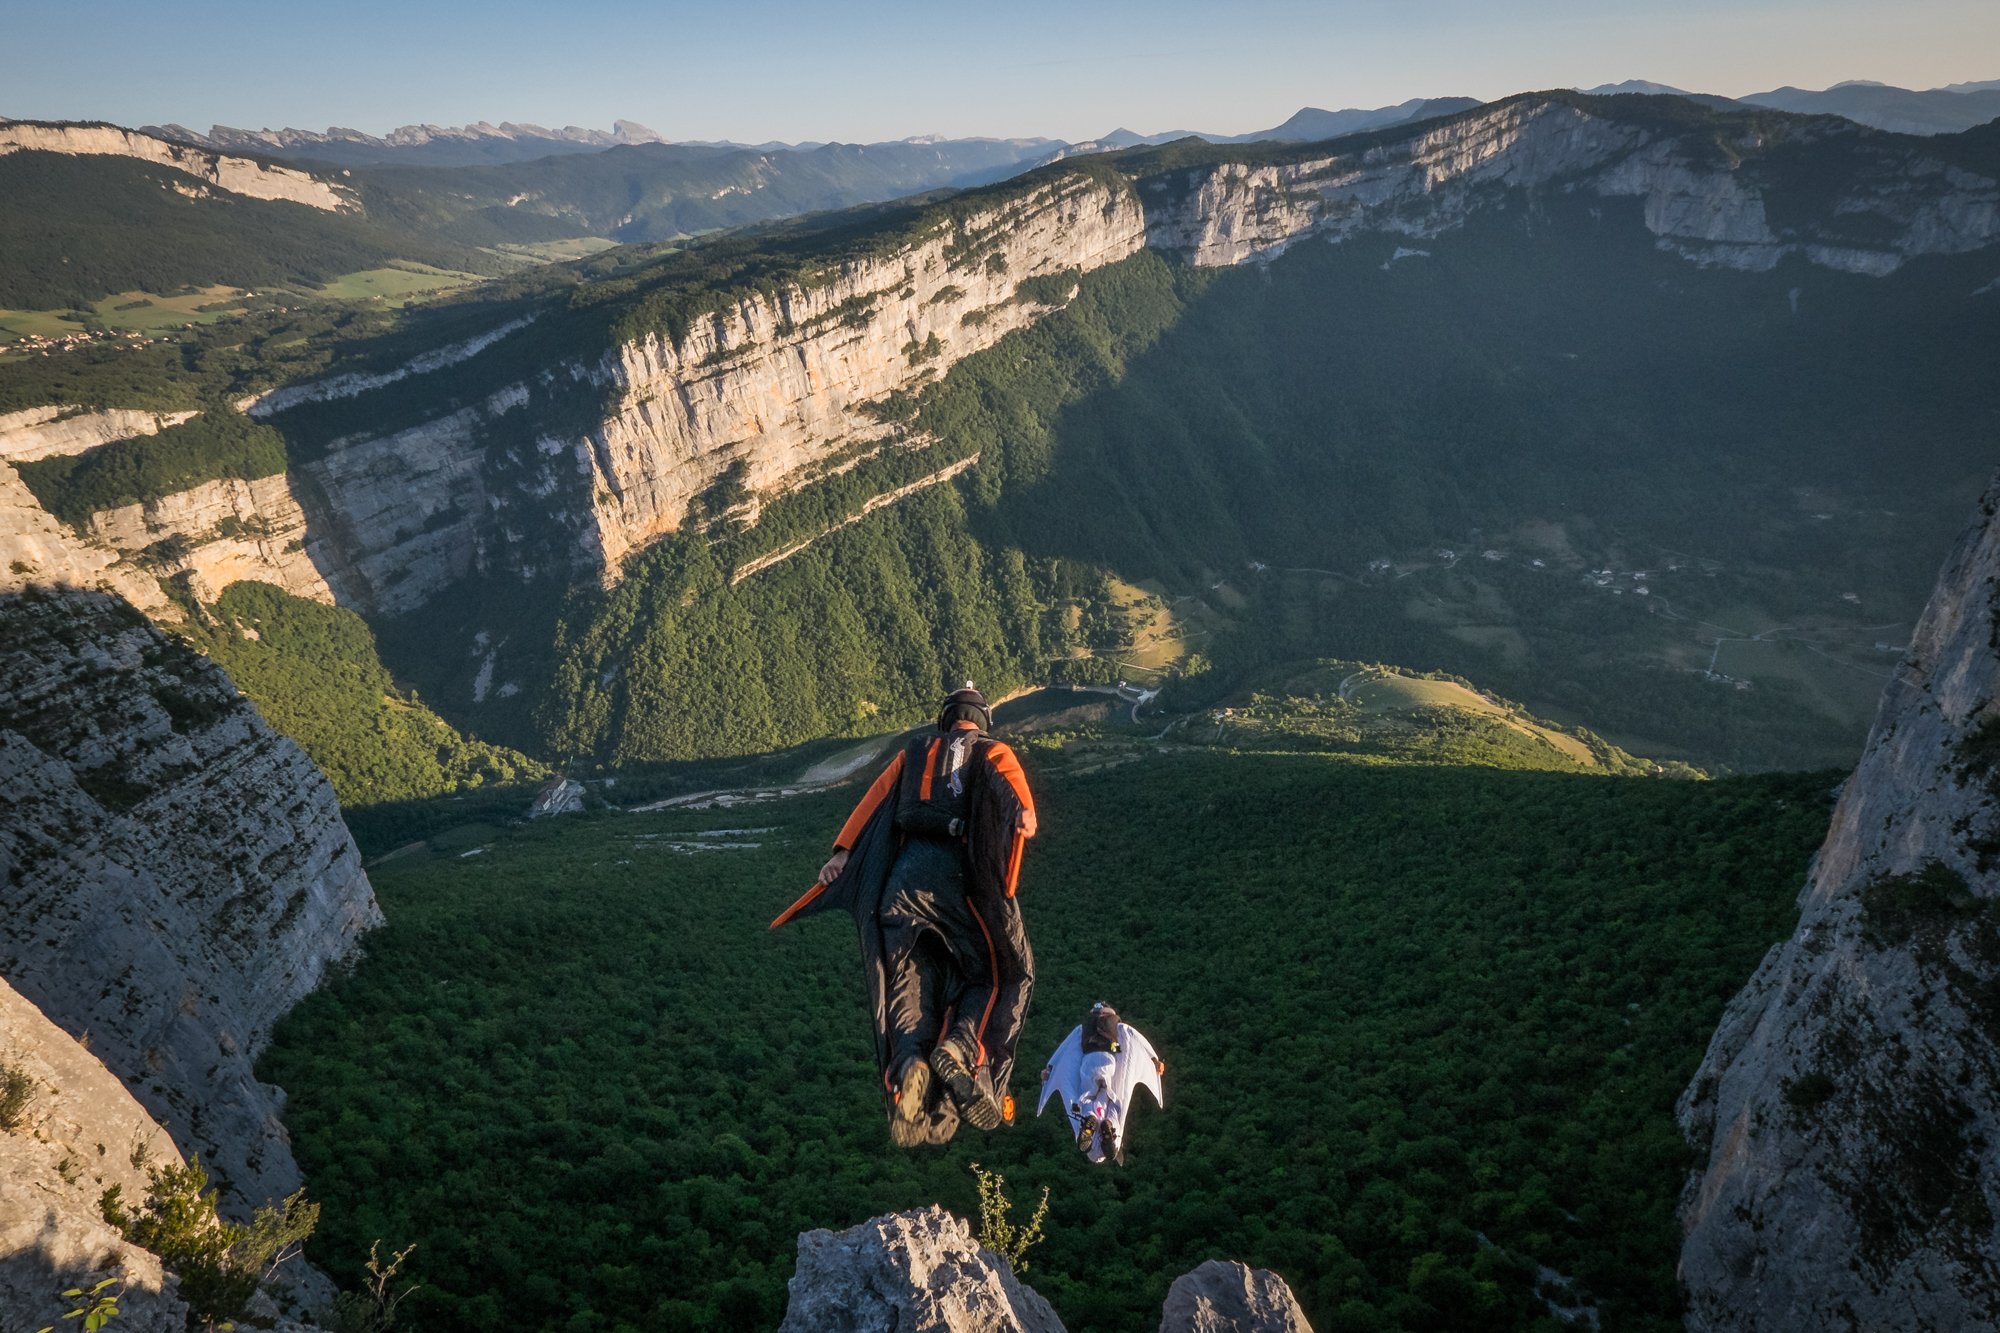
(1947, 110)
(1306, 125)
(481, 143)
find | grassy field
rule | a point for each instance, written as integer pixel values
(1161, 627)
(580, 247)
(154, 314)
(396, 282)
(1389, 692)
(142, 312)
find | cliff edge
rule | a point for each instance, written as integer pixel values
(174, 875)
(1849, 1105)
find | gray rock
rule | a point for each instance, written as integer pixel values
(81, 1133)
(914, 1272)
(1849, 1105)
(1221, 1297)
(174, 875)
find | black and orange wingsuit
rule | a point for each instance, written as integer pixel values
(943, 946)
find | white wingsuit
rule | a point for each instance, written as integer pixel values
(1097, 1088)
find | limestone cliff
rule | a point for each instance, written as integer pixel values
(45, 432)
(225, 531)
(173, 875)
(1849, 1105)
(79, 1132)
(1702, 196)
(236, 175)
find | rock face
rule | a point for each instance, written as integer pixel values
(1221, 1297)
(230, 530)
(81, 1132)
(1696, 201)
(1849, 1105)
(174, 876)
(915, 1272)
(46, 432)
(237, 175)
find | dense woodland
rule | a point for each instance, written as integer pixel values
(1425, 1026)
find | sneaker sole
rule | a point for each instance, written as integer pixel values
(910, 1097)
(977, 1111)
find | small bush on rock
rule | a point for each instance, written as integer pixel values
(996, 1232)
(17, 1088)
(220, 1264)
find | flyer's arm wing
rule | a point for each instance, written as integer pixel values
(1137, 1066)
(1063, 1070)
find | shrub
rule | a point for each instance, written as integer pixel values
(373, 1308)
(996, 1231)
(17, 1086)
(220, 1263)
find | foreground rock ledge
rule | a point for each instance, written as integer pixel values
(1221, 1297)
(923, 1272)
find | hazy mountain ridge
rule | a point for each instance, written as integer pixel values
(1946, 110)
(435, 145)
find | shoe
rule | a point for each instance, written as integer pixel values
(977, 1105)
(1111, 1148)
(912, 1087)
(1084, 1131)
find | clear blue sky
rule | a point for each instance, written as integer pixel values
(790, 69)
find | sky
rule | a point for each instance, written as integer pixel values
(753, 70)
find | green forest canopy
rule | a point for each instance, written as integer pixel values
(1425, 1027)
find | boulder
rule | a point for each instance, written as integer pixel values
(914, 1272)
(1223, 1297)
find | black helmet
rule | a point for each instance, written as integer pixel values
(966, 705)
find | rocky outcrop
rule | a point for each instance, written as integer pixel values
(237, 175)
(80, 1133)
(1704, 201)
(220, 532)
(1849, 1105)
(174, 876)
(914, 1272)
(47, 432)
(923, 1272)
(35, 548)
(1225, 1297)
